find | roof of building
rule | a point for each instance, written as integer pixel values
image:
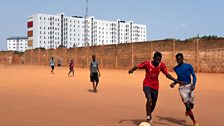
(19, 37)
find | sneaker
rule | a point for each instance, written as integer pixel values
(149, 121)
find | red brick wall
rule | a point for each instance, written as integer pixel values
(206, 55)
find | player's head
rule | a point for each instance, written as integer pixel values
(180, 58)
(52, 58)
(157, 58)
(72, 61)
(93, 57)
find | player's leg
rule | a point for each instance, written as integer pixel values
(154, 96)
(188, 97)
(93, 81)
(191, 99)
(52, 68)
(147, 92)
(94, 87)
(97, 80)
(191, 106)
(189, 112)
(69, 72)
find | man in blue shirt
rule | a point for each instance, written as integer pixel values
(184, 72)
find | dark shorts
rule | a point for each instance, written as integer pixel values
(94, 77)
(149, 92)
(52, 67)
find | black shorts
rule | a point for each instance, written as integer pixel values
(149, 92)
(94, 77)
(52, 67)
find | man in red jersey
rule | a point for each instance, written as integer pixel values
(151, 82)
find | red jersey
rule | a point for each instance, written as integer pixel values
(152, 73)
(71, 66)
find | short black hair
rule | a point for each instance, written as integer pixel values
(180, 54)
(157, 54)
(93, 56)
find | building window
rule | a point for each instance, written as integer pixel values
(30, 24)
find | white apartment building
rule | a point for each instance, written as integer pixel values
(51, 31)
(17, 44)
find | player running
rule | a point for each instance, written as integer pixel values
(71, 68)
(184, 72)
(52, 64)
(151, 82)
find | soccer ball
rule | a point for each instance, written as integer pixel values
(144, 124)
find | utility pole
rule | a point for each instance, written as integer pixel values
(86, 26)
(86, 43)
(86, 8)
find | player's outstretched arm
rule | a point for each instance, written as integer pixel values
(175, 80)
(194, 78)
(172, 85)
(132, 69)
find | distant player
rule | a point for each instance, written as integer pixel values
(5, 61)
(94, 72)
(151, 82)
(52, 64)
(71, 68)
(184, 72)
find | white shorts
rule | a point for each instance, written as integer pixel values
(186, 94)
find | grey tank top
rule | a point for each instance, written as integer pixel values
(93, 66)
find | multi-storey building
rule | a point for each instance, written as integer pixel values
(51, 31)
(17, 44)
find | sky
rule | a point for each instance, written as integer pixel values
(179, 19)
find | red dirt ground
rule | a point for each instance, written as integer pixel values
(31, 96)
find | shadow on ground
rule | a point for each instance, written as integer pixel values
(180, 122)
(160, 120)
(138, 121)
(92, 91)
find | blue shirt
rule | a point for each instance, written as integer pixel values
(184, 72)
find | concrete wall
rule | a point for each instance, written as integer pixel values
(206, 55)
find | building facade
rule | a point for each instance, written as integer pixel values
(52, 31)
(17, 44)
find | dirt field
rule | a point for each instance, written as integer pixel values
(31, 96)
